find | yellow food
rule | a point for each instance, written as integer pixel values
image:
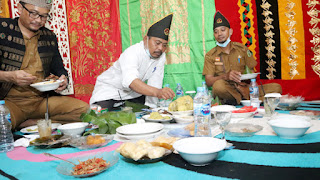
(140, 149)
(158, 116)
(190, 128)
(184, 103)
(155, 115)
(95, 140)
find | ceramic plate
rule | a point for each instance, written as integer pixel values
(46, 85)
(34, 129)
(145, 160)
(147, 118)
(249, 76)
(243, 115)
(67, 168)
(139, 129)
(242, 129)
(137, 137)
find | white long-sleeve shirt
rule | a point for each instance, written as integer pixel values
(133, 63)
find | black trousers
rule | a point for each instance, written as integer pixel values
(110, 104)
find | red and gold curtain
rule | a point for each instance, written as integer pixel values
(95, 42)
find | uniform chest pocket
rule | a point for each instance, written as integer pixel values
(219, 69)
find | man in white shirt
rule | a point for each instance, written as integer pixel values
(140, 63)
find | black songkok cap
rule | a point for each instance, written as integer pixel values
(161, 28)
(220, 20)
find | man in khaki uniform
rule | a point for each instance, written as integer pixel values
(28, 54)
(225, 63)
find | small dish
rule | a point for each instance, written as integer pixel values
(183, 119)
(289, 126)
(73, 129)
(141, 136)
(139, 129)
(179, 132)
(199, 151)
(54, 141)
(242, 129)
(145, 160)
(249, 76)
(247, 102)
(67, 168)
(81, 142)
(167, 118)
(307, 113)
(34, 129)
(243, 115)
(46, 85)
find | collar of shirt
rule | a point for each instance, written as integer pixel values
(220, 51)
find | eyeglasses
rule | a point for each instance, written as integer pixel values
(35, 15)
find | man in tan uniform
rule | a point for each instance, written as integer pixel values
(28, 54)
(225, 63)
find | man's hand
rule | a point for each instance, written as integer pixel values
(63, 85)
(165, 93)
(233, 76)
(22, 78)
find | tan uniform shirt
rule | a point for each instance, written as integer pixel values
(218, 63)
(31, 64)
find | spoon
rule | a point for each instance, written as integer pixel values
(48, 154)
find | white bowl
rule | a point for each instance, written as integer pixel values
(222, 108)
(73, 129)
(199, 151)
(47, 85)
(183, 119)
(289, 127)
(247, 102)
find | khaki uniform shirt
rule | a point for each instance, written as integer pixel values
(31, 64)
(218, 62)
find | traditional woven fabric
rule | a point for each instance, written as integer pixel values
(94, 41)
(4, 9)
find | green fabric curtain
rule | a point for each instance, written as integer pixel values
(191, 34)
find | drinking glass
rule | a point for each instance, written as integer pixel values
(272, 102)
(222, 118)
(44, 128)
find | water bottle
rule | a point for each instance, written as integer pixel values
(204, 85)
(254, 94)
(165, 103)
(202, 113)
(179, 91)
(6, 137)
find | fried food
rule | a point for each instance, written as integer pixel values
(91, 140)
(165, 142)
(184, 103)
(140, 149)
(190, 128)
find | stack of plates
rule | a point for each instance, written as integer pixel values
(140, 131)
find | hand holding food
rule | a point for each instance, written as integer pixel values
(63, 85)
